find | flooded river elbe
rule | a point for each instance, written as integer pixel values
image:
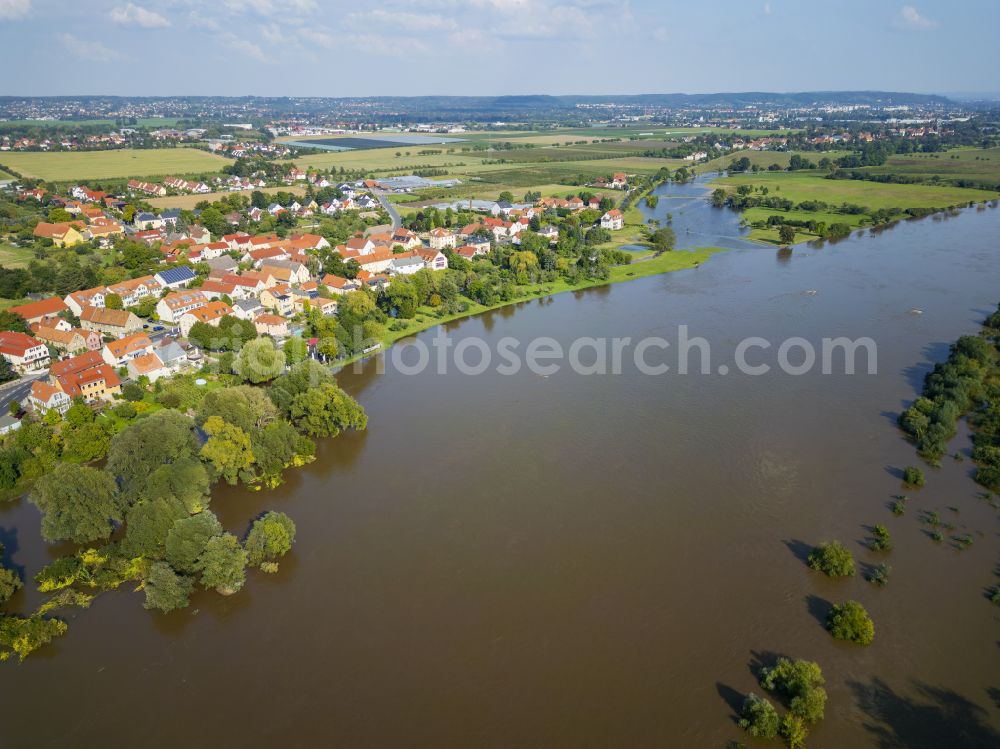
(587, 561)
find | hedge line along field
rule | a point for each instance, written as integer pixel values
(189, 202)
(811, 185)
(65, 166)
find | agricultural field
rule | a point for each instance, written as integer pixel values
(980, 165)
(188, 202)
(764, 159)
(79, 165)
(799, 186)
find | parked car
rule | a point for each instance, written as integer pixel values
(157, 328)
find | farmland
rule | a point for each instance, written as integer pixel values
(978, 165)
(799, 186)
(79, 165)
(764, 159)
(872, 196)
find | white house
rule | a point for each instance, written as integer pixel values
(613, 220)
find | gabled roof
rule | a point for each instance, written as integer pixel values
(43, 307)
(179, 274)
(102, 316)
(15, 343)
(129, 345)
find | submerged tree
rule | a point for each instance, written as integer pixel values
(223, 564)
(77, 503)
(849, 621)
(165, 589)
(832, 559)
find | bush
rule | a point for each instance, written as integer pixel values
(880, 540)
(849, 621)
(759, 718)
(832, 559)
(913, 476)
(801, 682)
(880, 575)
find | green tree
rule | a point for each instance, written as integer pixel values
(913, 476)
(326, 410)
(10, 582)
(793, 730)
(832, 559)
(663, 240)
(849, 621)
(270, 538)
(113, 301)
(188, 538)
(786, 234)
(244, 406)
(185, 480)
(223, 564)
(759, 718)
(141, 448)
(259, 361)
(801, 682)
(24, 635)
(227, 449)
(165, 589)
(78, 503)
(85, 443)
(147, 524)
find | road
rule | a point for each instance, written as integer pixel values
(17, 390)
(397, 220)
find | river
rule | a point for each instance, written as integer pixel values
(587, 561)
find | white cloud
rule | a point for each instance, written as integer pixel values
(909, 18)
(271, 7)
(767, 9)
(11, 10)
(134, 15)
(91, 51)
(409, 21)
(245, 47)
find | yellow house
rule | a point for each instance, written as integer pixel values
(62, 235)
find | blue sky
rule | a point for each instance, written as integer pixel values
(357, 48)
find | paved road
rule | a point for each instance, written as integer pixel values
(17, 390)
(397, 220)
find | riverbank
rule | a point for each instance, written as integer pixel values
(642, 266)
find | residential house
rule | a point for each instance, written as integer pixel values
(278, 299)
(286, 271)
(87, 376)
(247, 309)
(135, 289)
(339, 285)
(405, 265)
(619, 181)
(62, 235)
(210, 314)
(173, 306)
(145, 221)
(115, 323)
(45, 397)
(613, 220)
(78, 300)
(433, 259)
(147, 365)
(73, 341)
(36, 311)
(214, 289)
(175, 278)
(25, 354)
(272, 325)
(119, 353)
(441, 238)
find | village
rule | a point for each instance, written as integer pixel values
(87, 344)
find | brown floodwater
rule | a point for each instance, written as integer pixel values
(586, 561)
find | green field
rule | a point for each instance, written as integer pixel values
(764, 159)
(979, 165)
(15, 257)
(799, 186)
(79, 165)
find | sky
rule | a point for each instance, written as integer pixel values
(494, 47)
